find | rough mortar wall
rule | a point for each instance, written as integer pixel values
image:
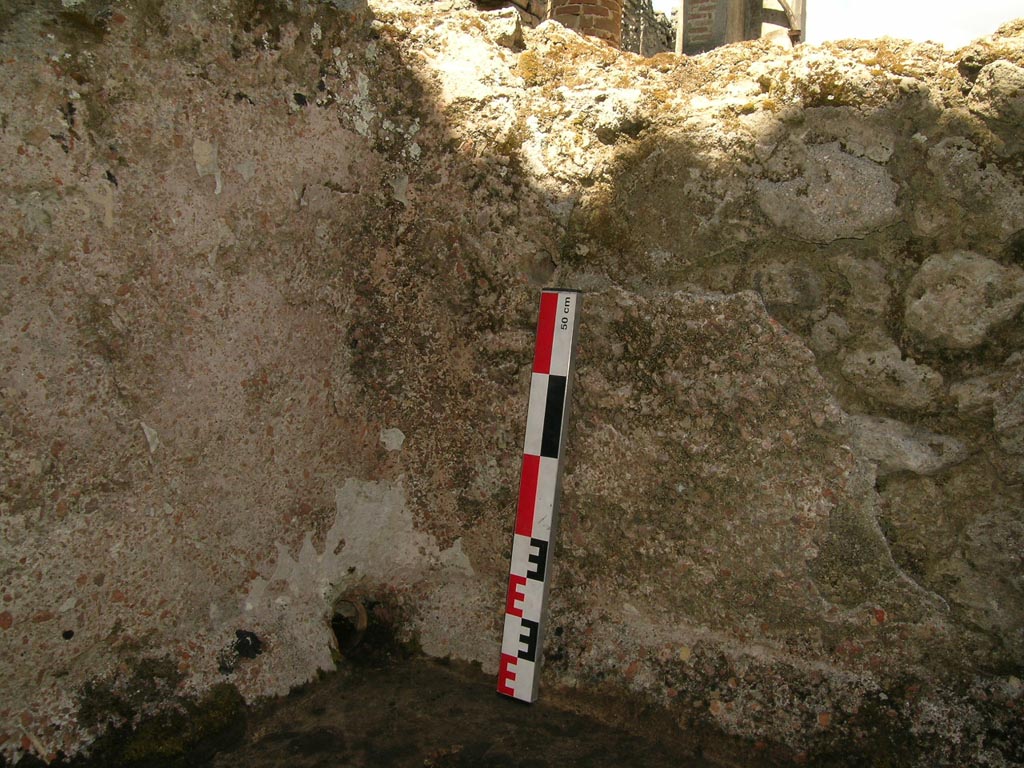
(268, 280)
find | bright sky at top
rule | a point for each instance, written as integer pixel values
(951, 22)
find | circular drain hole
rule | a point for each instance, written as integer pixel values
(349, 624)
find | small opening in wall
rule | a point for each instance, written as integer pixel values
(349, 624)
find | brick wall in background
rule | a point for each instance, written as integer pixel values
(598, 18)
(533, 12)
(705, 25)
(634, 26)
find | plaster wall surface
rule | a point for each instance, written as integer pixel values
(268, 279)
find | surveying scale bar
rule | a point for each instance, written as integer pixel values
(540, 487)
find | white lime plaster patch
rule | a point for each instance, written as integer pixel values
(372, 541)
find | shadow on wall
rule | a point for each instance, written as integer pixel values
(258, 300)
(270, 342)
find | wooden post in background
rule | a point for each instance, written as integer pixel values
(734, 21)
(680, 26)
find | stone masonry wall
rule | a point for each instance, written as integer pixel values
(644, 31)
(597, 18)
(269, 276)
(532, 12)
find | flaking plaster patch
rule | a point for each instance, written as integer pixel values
(371, 541)
(392, 439)
(372, 533)
(204, 153)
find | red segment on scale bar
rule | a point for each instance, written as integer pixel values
(545, 332)
(527, 495)
(506, 675)
(516, 596)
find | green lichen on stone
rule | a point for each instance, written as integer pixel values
(112, 702)
(148, 724)
(831, 89)
(194, 728)
(533, 71)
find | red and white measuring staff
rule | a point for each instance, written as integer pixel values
(539, 491)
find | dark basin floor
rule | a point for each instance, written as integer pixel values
(425, 713)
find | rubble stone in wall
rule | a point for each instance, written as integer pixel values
(505, 27)
(1009, 421)
(998, 93)
(998, 396)
(955, 532)
(898, 447)
(612, 112)
(828, 334)
(677, 381)
(990, 201)
(1008, 408)
(869, 290)
(835, 196)
(885, 375)
(974, 397)
(956, 298)
(532, 12)
(788, 285)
